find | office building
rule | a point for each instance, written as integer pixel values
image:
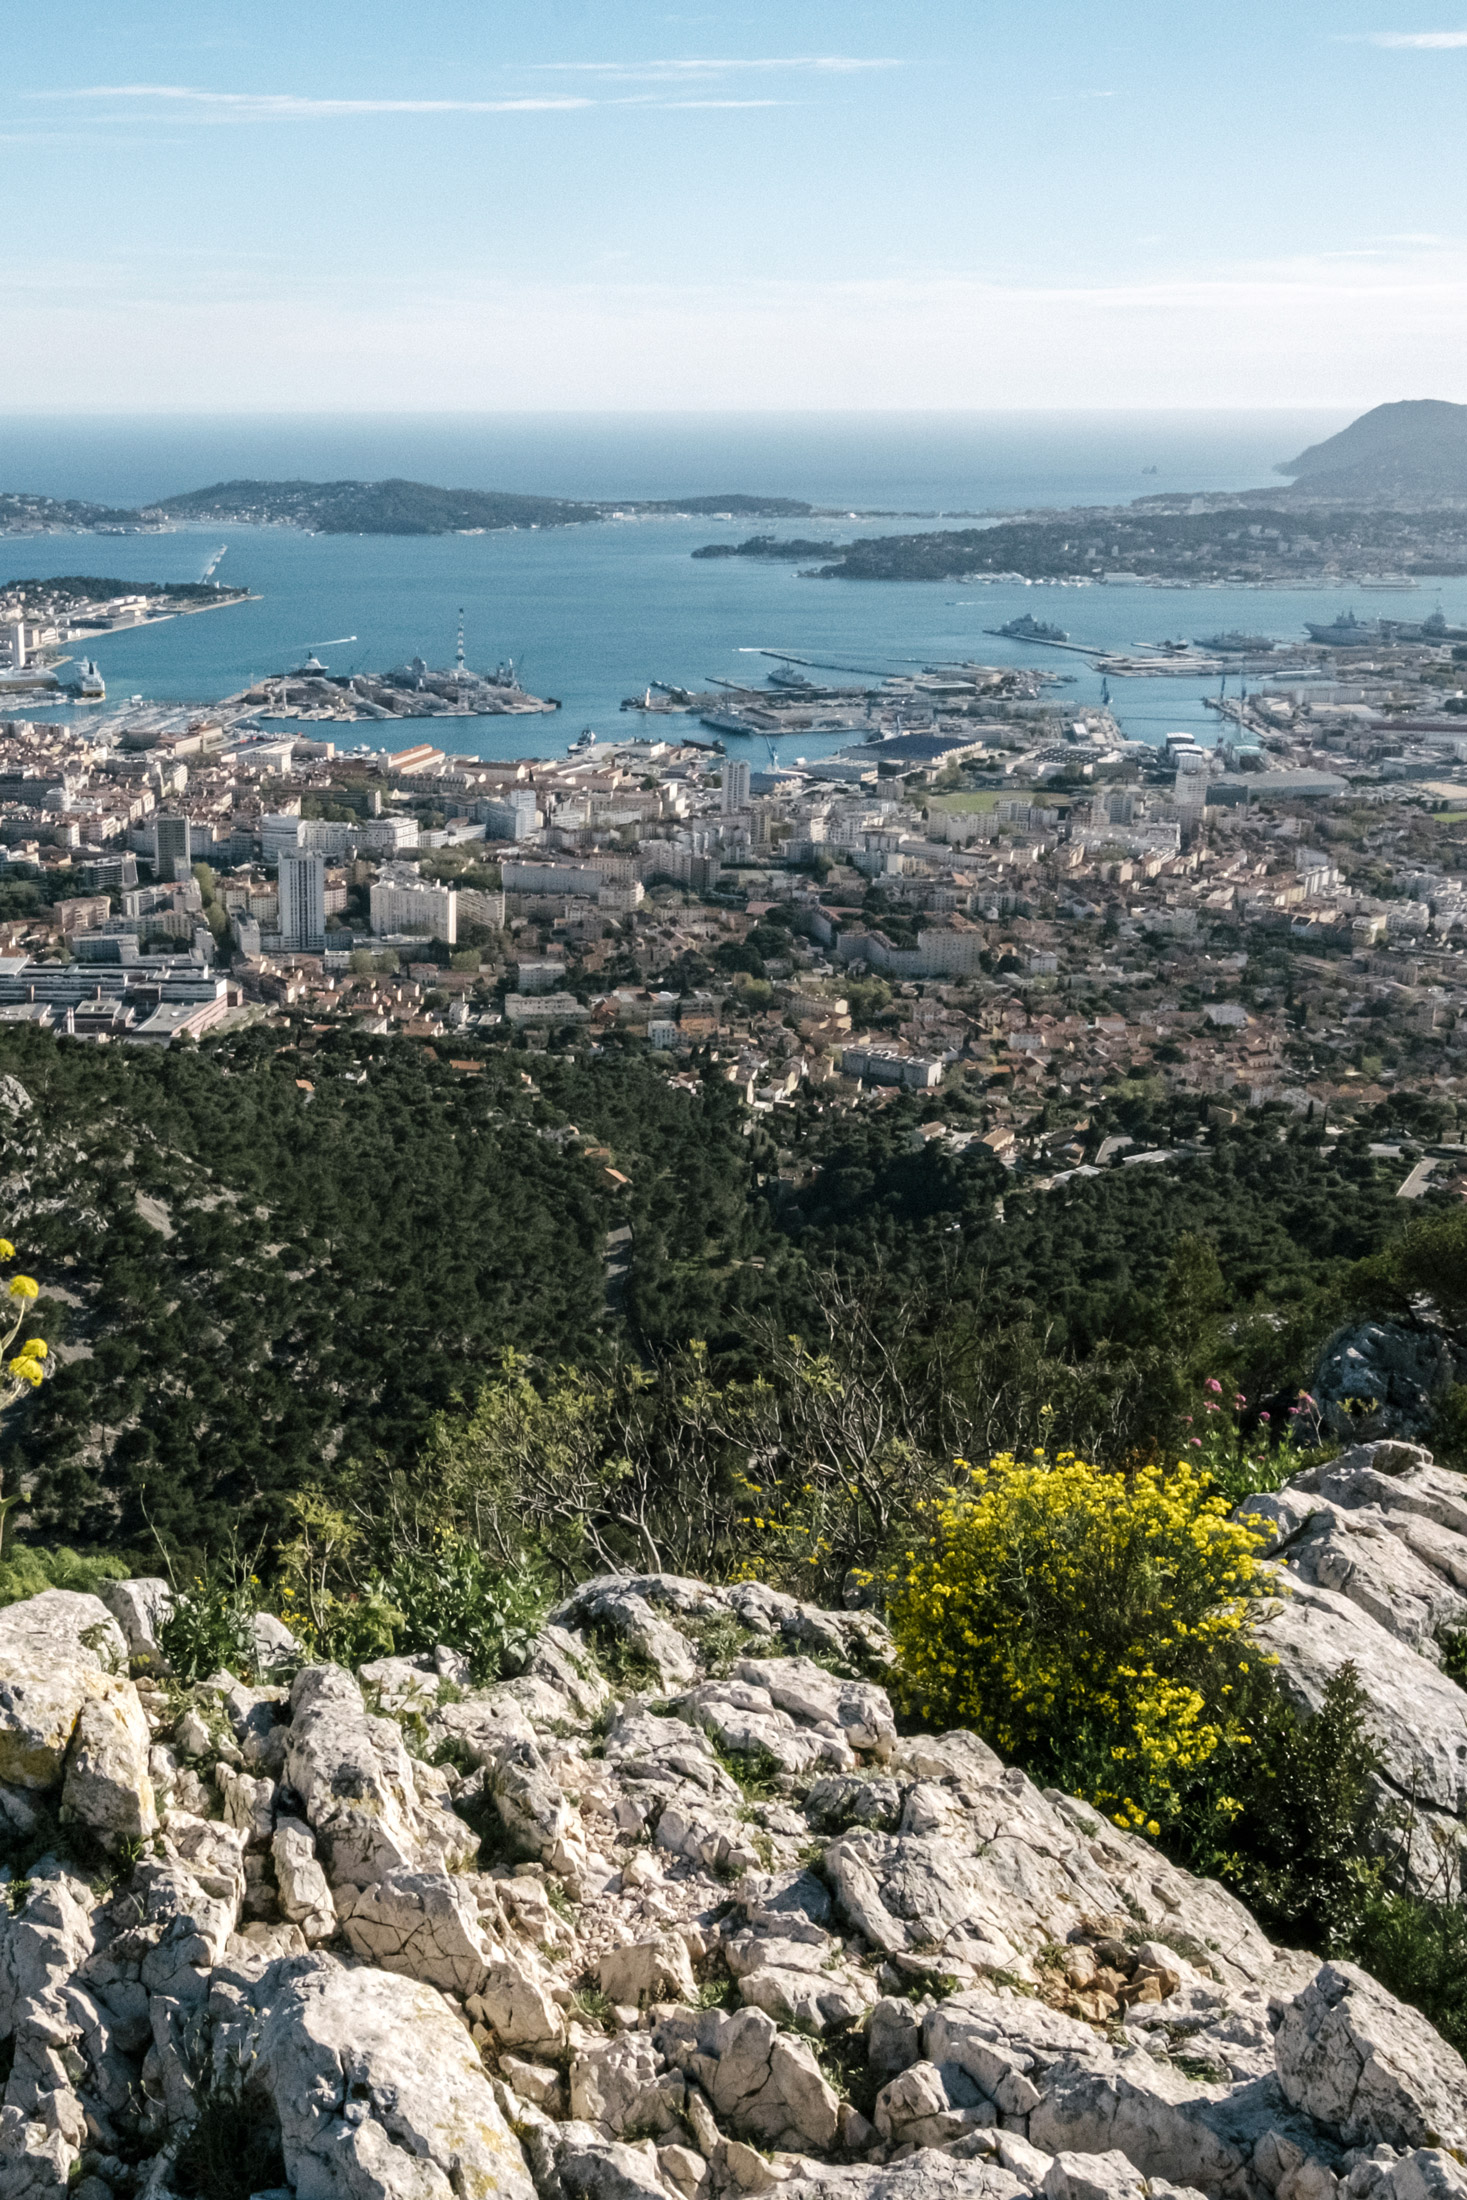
(735, 785)
(172, 858)
(302, 892)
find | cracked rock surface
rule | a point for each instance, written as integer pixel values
(675, 1914)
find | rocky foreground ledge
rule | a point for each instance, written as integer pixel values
(737, 1935)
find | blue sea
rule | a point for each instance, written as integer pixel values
(591, 614)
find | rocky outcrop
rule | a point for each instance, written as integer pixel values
(1384, 1379)
(675, 1915)
(1374, 1548)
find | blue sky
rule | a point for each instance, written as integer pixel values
(609, 204)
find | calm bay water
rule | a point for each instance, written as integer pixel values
(590, 614)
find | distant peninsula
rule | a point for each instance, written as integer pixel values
(1415, 452)
(372, 508)
(1224, 543)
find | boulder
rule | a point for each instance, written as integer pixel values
(58, 1650)
(928, 2106)
(141, 1608)
(1382, 1379)
(765, 2083)
(1352, 2056)
(516, 2002)
(1092, 2177)
(622, 2086)
(531, 1807)
(61, 1626)
(107, 1787)
(301, 1886)
(276, 1649)
(378, 2091)
(424, 1925)
(357, 1787)
(648, 1970)
(925, 2175)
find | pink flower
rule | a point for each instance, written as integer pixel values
(1212, 1383)
(1186, 1420)
(1240, 1401)
(1195, 1442)
(1211, 1408)
(1305, 1398)
(1294, 1413)
(1265, 1416)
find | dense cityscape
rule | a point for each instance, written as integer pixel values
(985, 892)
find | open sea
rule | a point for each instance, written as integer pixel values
(591, 614)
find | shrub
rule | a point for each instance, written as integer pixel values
(26, 1570)
(1240, 1451)
(209, 1630)
(1418, 1950)
(455, 1594)
(1090, 1624)
(1281, 1816)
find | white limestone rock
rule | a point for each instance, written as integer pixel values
(928, 2106)
(925, 2175)
(622, 2086)
(61, 1626)
(648, 1970)
(1352, 2056)
(301, 1886)
(1093, 2177)
(141, 1608)
(277, 1649)
(357, 1787)
(379, 2092)
(108, 1788)
(516, 2002)
(58, 1650)
(424, 1925)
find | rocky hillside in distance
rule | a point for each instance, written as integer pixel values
(676, 1914)
(1409, 453)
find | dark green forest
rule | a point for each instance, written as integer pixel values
(266, 1269)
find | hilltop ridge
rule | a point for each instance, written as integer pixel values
(1416, 448)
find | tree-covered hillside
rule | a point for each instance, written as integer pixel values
(267, 1267)
(273, 1262)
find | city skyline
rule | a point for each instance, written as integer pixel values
(812, 206)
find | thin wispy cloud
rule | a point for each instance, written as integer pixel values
(666, 72)
(1417, 41)
(291, 107)
(187, 103)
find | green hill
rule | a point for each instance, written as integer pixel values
(1413, 450)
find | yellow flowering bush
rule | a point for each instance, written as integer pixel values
(24, 1370)
(1091, 1625)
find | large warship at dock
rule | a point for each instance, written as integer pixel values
(412, 690)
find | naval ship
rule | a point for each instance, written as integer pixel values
(1346, 632)
(1027, 629)
(1234, 644)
